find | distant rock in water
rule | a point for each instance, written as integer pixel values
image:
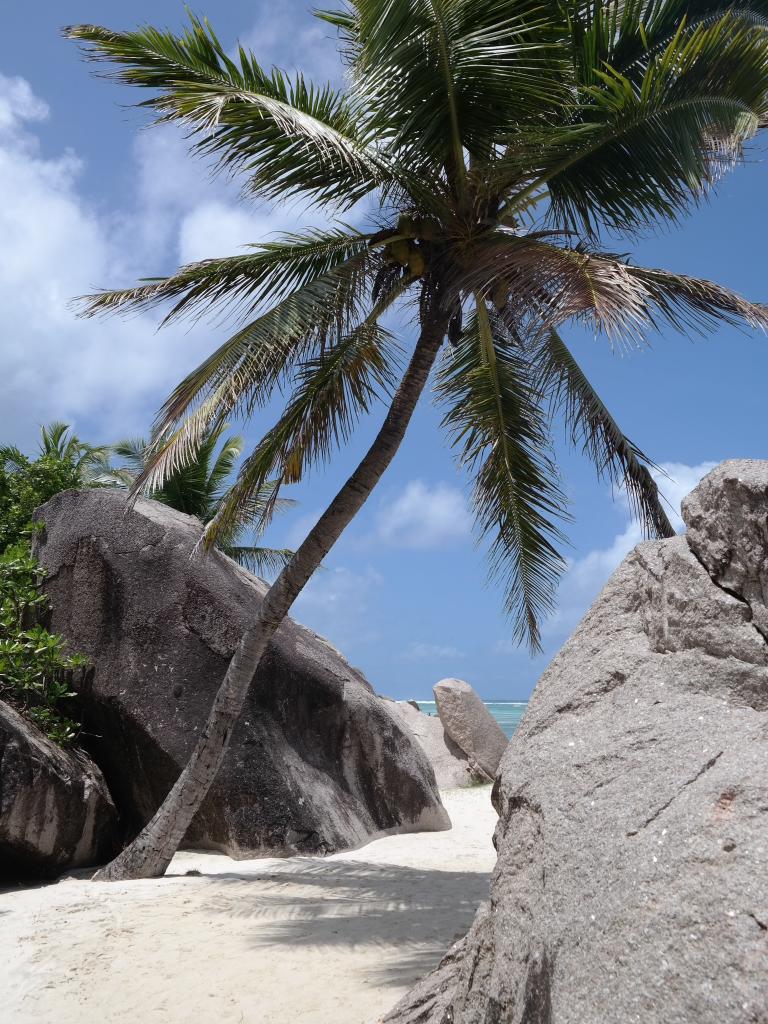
(471, 726)
(450, 763)
(632, 878)
(316, 763)
(55, 811)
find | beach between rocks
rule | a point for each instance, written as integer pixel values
(304, 940)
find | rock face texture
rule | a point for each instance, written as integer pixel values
(55, 811)
(315, 764)
(450, 763)
(632, 877)
(471, 726)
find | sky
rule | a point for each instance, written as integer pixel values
(92, 197)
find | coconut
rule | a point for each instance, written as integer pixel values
(405, 226)
(401, 251)
(416, 263)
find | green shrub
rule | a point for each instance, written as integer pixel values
(26, 482)
(27, 487)
(36, 673)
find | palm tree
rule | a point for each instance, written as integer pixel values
(497, 142)
(26, 482)
(58, 444)
(200, 486)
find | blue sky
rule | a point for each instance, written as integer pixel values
(91, 198)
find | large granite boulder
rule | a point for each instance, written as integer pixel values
(471, 726)
(450, 764)
(55, 810)
(632, 876)
(316, 763)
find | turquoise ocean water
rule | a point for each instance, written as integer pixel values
(507, 713)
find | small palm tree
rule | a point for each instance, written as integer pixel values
(59, 444)
(498, 143)
(200, 486)
(26, 482)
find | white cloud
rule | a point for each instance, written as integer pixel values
(189, 213)
(424, 516)
(168, 177)
(216, 228)
(186, 211)
(586, 575)
(19, 104)
(56, 246)
(421, 651)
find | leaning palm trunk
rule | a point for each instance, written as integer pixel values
(151, 851)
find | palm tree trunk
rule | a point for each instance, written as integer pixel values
(151, 851)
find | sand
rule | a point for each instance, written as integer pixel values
(333, 940)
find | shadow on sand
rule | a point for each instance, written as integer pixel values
(351, 905)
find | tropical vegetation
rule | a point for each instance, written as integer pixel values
(38, 675)
(62, 461)
(487, 152)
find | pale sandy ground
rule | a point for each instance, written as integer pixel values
(298, 941)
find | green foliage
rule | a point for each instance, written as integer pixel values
(24, 489)
(36, 673)
(498, 143)
(62, 461)
(500, 433)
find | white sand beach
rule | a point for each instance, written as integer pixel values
(299, 941)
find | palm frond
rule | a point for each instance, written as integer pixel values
(132, 451)
(224, 463)
(241, 285)
(256, 511)
(243, 373)
(645, 146)
(332, 390)
(542, 285)
(442, 76)
(693, 303)
(591, 425)
(57, 439)
(12, 458)
(290, 137)
(103, 473)
(496, 423)
(626, 35)
(258, 560)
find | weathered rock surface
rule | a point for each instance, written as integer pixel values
(55, 810)
(450, 763)
(727, 519)
(470, 725)
(315, 764)
(632, 877)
